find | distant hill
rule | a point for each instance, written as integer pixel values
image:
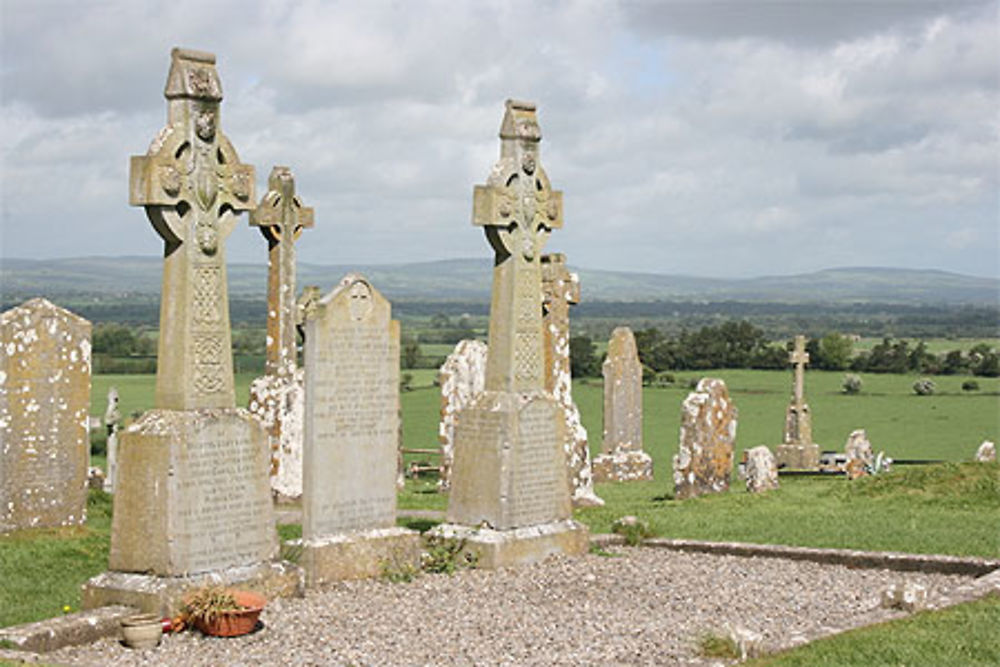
(469, 280)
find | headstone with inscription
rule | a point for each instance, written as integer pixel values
(351, 430)
(704, 460)
(560, 290)
(277, 397)
(112, 420)
(798, 449)
(510, 498)
(462, 377)
(44, 406)
(622, 458)
(192, 502)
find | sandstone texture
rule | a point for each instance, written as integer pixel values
(704, 461)
(44, 415)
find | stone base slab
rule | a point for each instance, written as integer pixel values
(518, 546)
(82, 627)
(164, 595)
(797, 457)
(634, 466)
(358, 555)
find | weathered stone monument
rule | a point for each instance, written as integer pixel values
(192, 502)
(277, 397)
(560, 290)
(622, 458)
(986, 452)
(798, 449)
(112, 420)
(860, 457)
(462, 377)
(351, 429)
(761, 470)
(704, 460)
(510, 496)
(44, 405)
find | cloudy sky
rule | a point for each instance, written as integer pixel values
(718, 138)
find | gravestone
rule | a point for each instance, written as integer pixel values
(462, 377)
(277, 398)
(860, 457)
(761, 470)
(112, 420)
(798, 449)
(351, 432)
(192, 501)
(986, 452)
(622, 458)
(44, 412)
(560, 290)
(704, 460)
(510, 498)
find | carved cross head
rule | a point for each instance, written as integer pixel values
(799, 356)
(191, 180)
(518, 207)
(281, 214)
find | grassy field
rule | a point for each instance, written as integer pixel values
(934, 345)
(953, 508)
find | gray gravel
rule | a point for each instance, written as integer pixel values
(648, 606)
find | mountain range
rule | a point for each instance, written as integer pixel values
(469, 280)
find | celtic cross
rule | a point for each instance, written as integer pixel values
(193, 186)
(281, 218)
(800, 358)
(518, 209)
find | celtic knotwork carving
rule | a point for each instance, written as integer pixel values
(207, 283)
(527, 359)
(208, 351)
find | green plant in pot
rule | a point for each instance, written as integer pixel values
(222, 612)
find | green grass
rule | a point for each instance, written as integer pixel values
(42, 569)
(952, 509)
(962, 635)
(945, 509)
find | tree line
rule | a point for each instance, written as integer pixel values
(740, 344)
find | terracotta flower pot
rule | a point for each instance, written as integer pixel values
(234, 623)
(142, 631)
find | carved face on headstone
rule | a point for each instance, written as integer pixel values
(205, 125)
(208, 240)
(360, 300)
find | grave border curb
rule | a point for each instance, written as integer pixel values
(854, 558)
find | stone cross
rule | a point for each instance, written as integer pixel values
(281, 218)
(518, 209)
(560, 290)
(800, 358)
(193, 186)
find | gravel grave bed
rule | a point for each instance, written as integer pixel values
(646, 606)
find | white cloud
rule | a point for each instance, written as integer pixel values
(801, 138)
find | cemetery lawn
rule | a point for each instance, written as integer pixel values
(42, 569)
(965, 634)
(953, 508)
